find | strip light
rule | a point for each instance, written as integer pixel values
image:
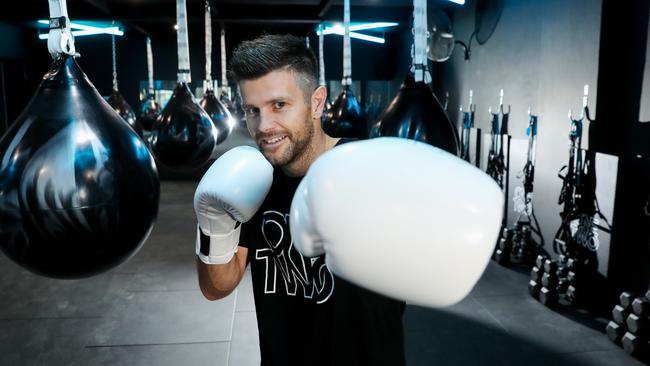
(459, 2)
(84, 30)
(338, 28)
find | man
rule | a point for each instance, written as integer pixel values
(305, 314)
(388, 214)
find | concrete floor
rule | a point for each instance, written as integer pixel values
(149, 311)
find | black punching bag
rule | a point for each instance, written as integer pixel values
(221, 117)
(117, 101)
(78, 189)
(120, 105)
(149, 111)
(183, 136)
(346, 117)
(415, 113)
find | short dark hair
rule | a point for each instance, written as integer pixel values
(255, 58)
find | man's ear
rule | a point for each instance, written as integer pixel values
(318, 98)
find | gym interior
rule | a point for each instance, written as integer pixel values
(551, 99)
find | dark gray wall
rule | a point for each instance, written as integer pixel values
(542, 53)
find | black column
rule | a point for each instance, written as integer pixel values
(623, 40)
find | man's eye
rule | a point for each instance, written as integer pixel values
(279, 105)
(250, 111)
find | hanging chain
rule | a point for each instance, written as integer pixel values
(347, 52)
(114, 62)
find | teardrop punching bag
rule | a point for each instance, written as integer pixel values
(123, 109)
(346, 117)
(117, 101)
(415, 113)
(78, 189)
(183, 136)
(149, 109)
(221, 117)
(239, 134)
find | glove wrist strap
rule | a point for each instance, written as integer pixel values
(217, 249)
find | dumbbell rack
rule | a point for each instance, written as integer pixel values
(574, 276)
(630, 324)
(498, 167)
(516, 244)
(565, 278)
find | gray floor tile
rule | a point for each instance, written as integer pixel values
(44, 341)
(416, 317)
(245, 349)
(166, 317)
(26, 295)
(160, 274)
(526, 318)
(602, 358)
(443, 338)
(245, 298)
(201, 354)
(498, 280)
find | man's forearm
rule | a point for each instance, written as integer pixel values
(219, 280)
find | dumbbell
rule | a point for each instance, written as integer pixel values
(620, 313)
(562, 286)
(533, 288)
(626, 298)
(635, 345)
(550, 280)
(536, 274)
(548, 297)
(562, 271)
(539, 261)
(501, 256)
(505, 241)
(571, 263)
(573, 295)
(615, 331)
(571, 277)
(641, 306)
(637, 325)
(502, 252)
(550, 266)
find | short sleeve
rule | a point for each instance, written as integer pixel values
(248, 236)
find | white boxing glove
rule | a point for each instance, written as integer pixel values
(399, 217)
(229, 193)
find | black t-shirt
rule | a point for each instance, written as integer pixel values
(305, 314)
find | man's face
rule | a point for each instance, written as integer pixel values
(278, 115)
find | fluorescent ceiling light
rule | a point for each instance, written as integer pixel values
(375, 25)
(459, 2)
(116, 31)
(356, 35)
(338, 28)
(84, 30)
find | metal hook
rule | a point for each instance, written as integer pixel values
(470, 107)
(585, 109)
(501, 103)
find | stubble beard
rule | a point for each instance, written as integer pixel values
(299, 145)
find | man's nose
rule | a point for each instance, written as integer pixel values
(266, 121)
